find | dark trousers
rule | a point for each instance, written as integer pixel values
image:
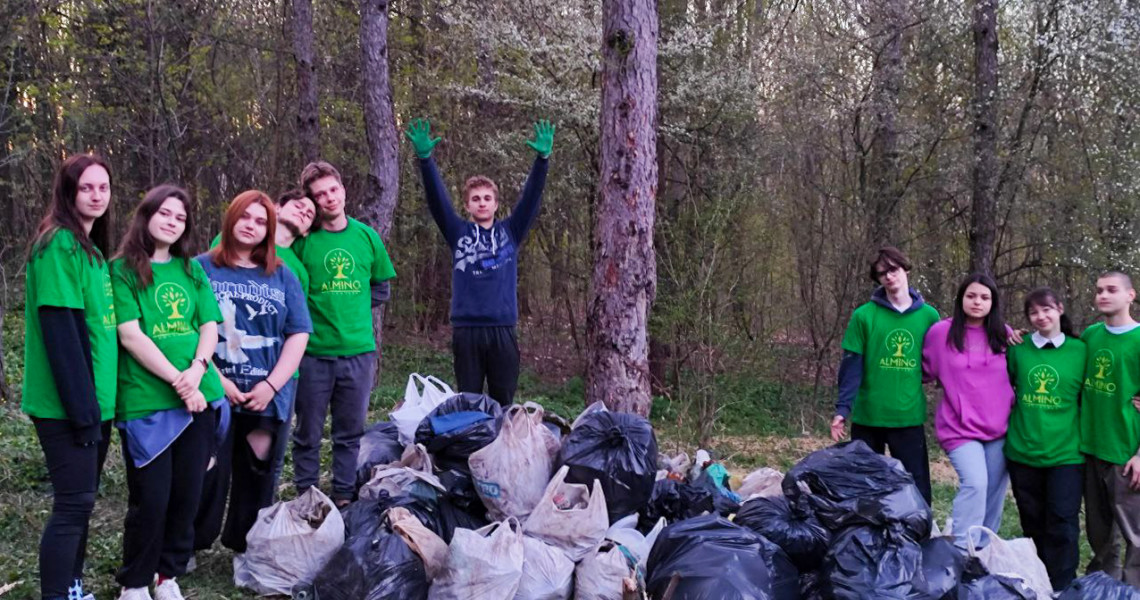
(907, 445)
(215, 487)
(487, 354)
(1049, 502)
(74, 473)
(1112, 515)
(341, 385)
(253, 478)
(163, 497)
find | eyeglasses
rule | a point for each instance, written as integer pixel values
(882, 272)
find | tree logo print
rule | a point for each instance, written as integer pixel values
(900, 342)
(172, 299)
(1102, 362)
(1044, 378)
(339, 262)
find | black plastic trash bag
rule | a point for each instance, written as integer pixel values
(618, 449)
(365, 517)
(725, 501)
(811, 586)
(852, 485)
(1099, 586)
(995, 587)
(380, 567)
(941, 570)
(715, 559)
(379, 445)
(675, 501)
(798, 532)
(461, 493)
(455, 429)
(871, 562)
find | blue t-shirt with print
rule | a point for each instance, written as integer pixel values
(259, 311)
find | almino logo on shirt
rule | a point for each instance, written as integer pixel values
(1044, 379)
(340, 264)
(109, 320)
(173, 302)
(1103, 364)
(900, 343)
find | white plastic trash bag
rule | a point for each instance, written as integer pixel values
(511, 472)
(485, 564)
(1010, 557)
(548, 574)
(763, 482)
(602, 574)
(417, 404)
(414, 465)
(290, 542)
(569, 516)
(625, 533)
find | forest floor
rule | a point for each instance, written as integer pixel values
(754, 433)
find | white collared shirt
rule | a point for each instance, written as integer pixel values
(1040, 340)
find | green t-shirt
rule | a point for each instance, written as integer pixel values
(342, 265)
(1044, 427)
(288, 257)
(170, 311)
(1110, 425)
(890, 394)
(61, 274)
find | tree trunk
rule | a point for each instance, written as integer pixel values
(383, 178)
(887, 78)
(5, 392)
(983, 208)
(308, 111)
(624, 280)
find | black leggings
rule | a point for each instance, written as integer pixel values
(74, 472)
(158, 534)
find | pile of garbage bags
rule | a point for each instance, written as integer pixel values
(474, 501)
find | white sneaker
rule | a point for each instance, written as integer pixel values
(168, 590)
(135, 594)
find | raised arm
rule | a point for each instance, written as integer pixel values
(438, 201)
(526, 210)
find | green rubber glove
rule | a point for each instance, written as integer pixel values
(543, 141)
(419, 133)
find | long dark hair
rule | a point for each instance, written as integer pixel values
(1046, 297)
(138, 245)
(993, 324)
(62, 214)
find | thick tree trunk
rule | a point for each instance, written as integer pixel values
(383, 178)
(887, 79)
(308, 112)
(624, 280)
(983, 209)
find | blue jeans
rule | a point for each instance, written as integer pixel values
(982, 482)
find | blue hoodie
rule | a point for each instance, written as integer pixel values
(484, 274)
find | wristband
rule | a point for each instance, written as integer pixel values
(271, 386)
(205, 363)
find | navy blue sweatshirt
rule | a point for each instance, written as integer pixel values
(484, 274)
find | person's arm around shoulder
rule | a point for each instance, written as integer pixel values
(933, 345)
(530, 201)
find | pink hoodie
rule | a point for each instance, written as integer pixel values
(977, 396)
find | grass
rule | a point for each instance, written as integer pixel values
(755, 428)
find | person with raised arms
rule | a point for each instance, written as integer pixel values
(263, 335)
(880, 376)
(70, 362)
(1043, 444)
(484, 275)
(168, 325)
(349, 272)
(1110, 430)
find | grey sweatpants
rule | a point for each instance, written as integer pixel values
(340, 385)
(1112, 511)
